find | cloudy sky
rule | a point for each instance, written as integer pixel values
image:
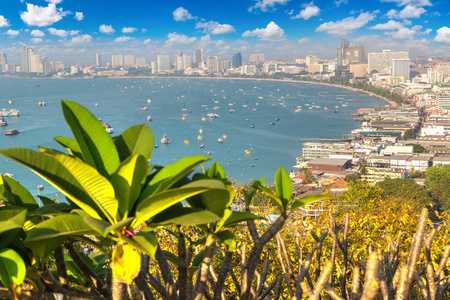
(74, 30)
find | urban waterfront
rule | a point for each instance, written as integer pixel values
(251, 102)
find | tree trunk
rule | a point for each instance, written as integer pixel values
(120, 290)
(61, 267)
(200, 285)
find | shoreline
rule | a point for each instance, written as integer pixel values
(390, 102)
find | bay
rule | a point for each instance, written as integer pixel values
(253, 102)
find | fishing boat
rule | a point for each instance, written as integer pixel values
(108, 128)
(96, 104)
(220, 140)
(209, 152)
(40, 187)
(210, 115)
(247, 152)
(231, 110)
(3, 122)
(165, 139)
(12, 132)
(144, 108)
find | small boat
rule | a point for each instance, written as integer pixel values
(9, 175)
(186, 142)
(272, 123)
(277, 119)
(209, 152)
(336, 111)
(200, 131)
(149, 100)
(326, 109)
(220, 140)
(298, 110)
(12, 132)
(3, 122)
(144, 108)
(200, 138)
(252, 165)
(40, 187)
(231, 110)
(149, 118)
(36, 85)
(247, 152)
(202, 145)
(41, 103)
(156, 146)
(183, 118)
(108, 128)
(165, 139)
(252, 126)
(96, 104)
(224, 136)
(203, 119)
(211, 115)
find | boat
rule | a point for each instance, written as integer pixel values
(36, 85)
(203, 119)
(186, 142)
(326, 109)
(336, 111)
(165, 139)
(231, 110)
(183, 118)
(41, 103)
(224, 136)
(40, 187)
(149, 118)
(200, 131)
(247, 152)
(144, 108)
(3, 122)
(96, 104)
(200, 138)
(156, 146)
(252, 126)
(9, 113)
(220, 140)
(252, 165)
(108, 128)
(277, 119)
(9, 175)
(298, 110)
(209, 152)
(210, 115)
(272, 123)
(202, 145)
(12, 132)
(149, 100)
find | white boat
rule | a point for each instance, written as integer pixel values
(108, 128)
(149, 118)
(41, 103)
(3, 122)
(220, 140)
(200, 138)
(200, 131)
(165, 139)
(40, 187)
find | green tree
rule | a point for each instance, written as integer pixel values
(405, 190)
(409, 134)
(438, 183)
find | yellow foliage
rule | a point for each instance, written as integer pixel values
(126, 263)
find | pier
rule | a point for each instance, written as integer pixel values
(322, 140)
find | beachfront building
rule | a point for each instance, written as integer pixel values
(163, 63)
(373, 175)
(382, 62)
(319, 150)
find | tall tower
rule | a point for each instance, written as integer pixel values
(198, 58)
(3, 62)
(237, 60)
(98, 60)
(344, 44)
(25, 59)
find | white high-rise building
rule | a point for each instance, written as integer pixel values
(212, 64)
(98, 60)
(154, 66)
(163, 63)
(141, 61)
(116, 61)
(401, 67)
(129, 60)
(311, 59)
(382, 62)
(435, 76)
(269, 68)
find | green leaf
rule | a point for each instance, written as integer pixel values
(227, 239)
(156, 203)
(127, 182)
(17, 194)
(171, 257)
(170, 174)
(283, 184)
(45, 200)
(183, 216)
(12, 217)
(307, 200)
(51, 210)
(198, 259)
(70, 145)
(56, 174)
(231, 218)
(145, 242)
(135, 140)
(104, 228)
(12, 268)
(96, 145)
(275, 199)
(49, 234)
(216, 171)
(215, 200)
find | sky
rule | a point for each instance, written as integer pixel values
(73, 31)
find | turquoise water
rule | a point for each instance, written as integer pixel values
(119, 102)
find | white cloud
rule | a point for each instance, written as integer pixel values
(404, 33)
(37, 33)
(303, 41)
(58, 32)
(181, 14)
(339, 2)
(79, 16)
(128, 29)
(147, 41)
(390, 25)
(122, 39)
(406, 13)
(309, 10)
(74, 32)
(11, 32)
(36, 40)
(410, 2)
(347, 25)
(42, 16)
(4, 22)
(143, 30)
(427, 31)
(214, 27)
(174, 38)
(272, 32)
(79, 40)
(54, 1)
(107, 29)
(443, 35)
(265, 5)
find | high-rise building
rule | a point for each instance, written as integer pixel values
(344, 44)
(98, 60)
(350, 54)
(154, 66)
(141, 61)
(3, 62)
(129, 60)
(198, 58)
(382, 62)
(224, 64)
(47, 66)
(269, 68)
(212, 64)
(401, 67)
(256, 58)
(435, 76)
(59, 66)
(163, 63)
(25, 60)
(237, 60)
(311, 60)
(116, 61)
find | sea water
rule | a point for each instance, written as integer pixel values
(119, 102)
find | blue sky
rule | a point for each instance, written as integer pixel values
(74, 30)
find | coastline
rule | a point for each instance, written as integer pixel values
(390, 102)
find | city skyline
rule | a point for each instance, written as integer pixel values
(74, 31)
